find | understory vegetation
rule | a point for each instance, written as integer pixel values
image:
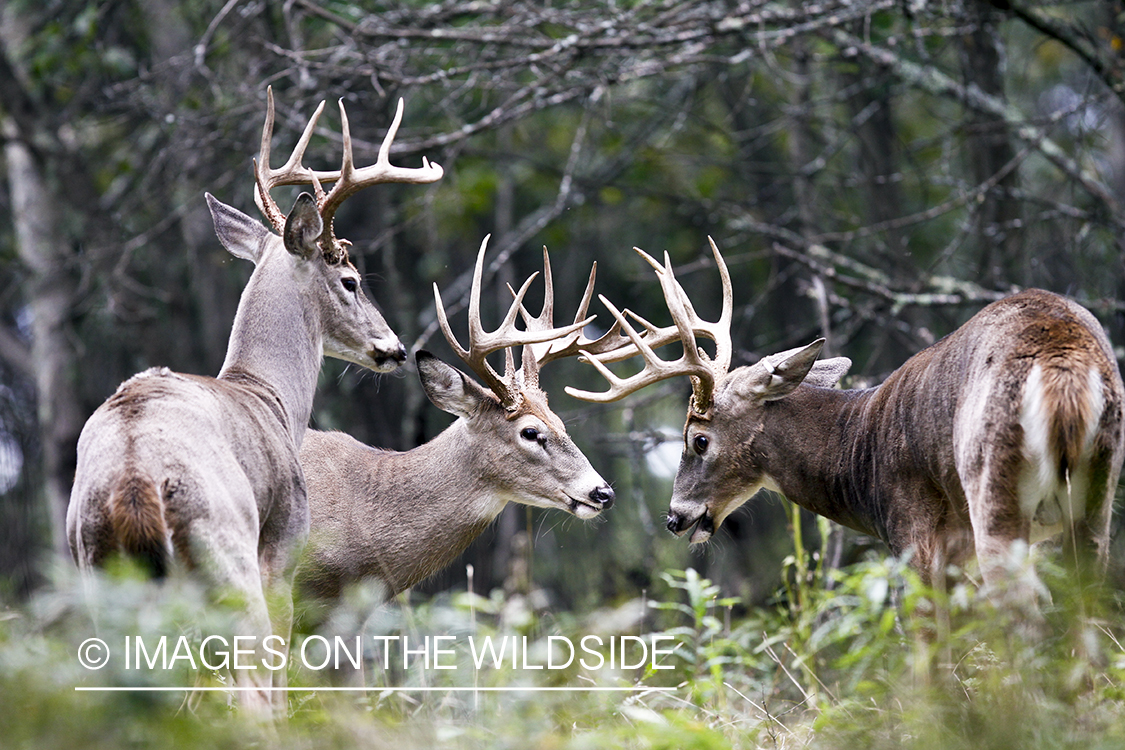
(874, 173)
(838, 659)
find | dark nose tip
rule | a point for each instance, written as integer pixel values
(603, 495)
(675, 523)
(399, 354)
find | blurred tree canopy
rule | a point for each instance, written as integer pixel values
(873, 170)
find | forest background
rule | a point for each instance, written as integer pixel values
(874, 171)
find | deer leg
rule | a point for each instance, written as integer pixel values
(225, 554)
(1000, 538)
(1086, 535)
(277, 583)
(283, 541)
(239, 587)
(255, 680)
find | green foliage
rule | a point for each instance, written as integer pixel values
(844, 669)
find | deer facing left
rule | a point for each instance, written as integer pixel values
(202, 473)
(1006, 432)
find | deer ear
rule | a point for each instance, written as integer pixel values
(447, 387)
(778, 375)
(826, 373)
(303, 227)
(241, 236)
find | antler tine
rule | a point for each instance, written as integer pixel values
(570, 341)
(724, 348)
(694, 362)
(655, 370)
(655, 336)
(352, 180)
(719, 331)
(290, 173)
(482, 343)
(347, 181)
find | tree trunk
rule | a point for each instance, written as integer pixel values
(989, 149)
(51, 292)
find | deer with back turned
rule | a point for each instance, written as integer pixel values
(1005, 432)
(399, 517)
(202, 473)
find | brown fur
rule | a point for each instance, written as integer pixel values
(399, 517)
(205, 471)
(932, 460)
(136, 517)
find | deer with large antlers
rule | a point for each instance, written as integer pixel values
(400, 517)
(1005, 432)
(203, 473)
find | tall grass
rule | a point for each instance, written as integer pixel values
(840, 659)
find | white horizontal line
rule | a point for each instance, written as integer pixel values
(595, 689)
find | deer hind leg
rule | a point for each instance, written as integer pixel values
(1001, 536)
(224, 551)
(1090, 493)
(283, 542)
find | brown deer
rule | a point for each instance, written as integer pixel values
(400, 517)
(1005, 432)
(204, 472)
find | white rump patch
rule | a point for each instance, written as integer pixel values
(1046, 498)
(1095, 393)
(1034, 420)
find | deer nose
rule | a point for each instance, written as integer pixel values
(396, 354)
(603, 495)
(675, 522)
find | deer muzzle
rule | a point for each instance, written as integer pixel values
(603, 496)
(389, 358)
(680, 523)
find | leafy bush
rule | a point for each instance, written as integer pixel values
(841, 659)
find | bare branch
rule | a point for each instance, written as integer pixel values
(1073, 40)
(938, 83)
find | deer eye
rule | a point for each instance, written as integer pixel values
(349, 283)
(529, 433)
(700, 443)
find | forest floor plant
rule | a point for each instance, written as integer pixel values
(832, 662)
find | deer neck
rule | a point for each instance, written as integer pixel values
(445, 500)
(817, 447)
(276, 346)
(447, 476)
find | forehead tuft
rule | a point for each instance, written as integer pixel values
(336, 254)
(534, 403)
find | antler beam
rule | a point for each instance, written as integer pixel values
(482, 343)
(347, 181)
(694, 362)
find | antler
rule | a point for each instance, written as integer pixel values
(347, 181)
(483, 343)
(704, 371)
(569, 345)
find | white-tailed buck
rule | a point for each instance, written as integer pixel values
(1008, 430)
(400, 517)
(203, 473)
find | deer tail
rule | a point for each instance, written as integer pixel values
(136, 517)
(1077, 400)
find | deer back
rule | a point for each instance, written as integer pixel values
(993, 421)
